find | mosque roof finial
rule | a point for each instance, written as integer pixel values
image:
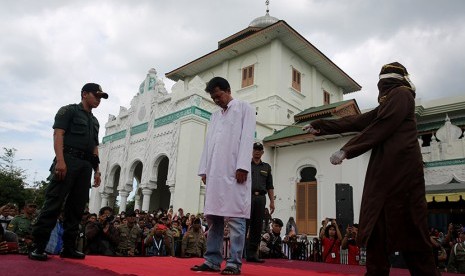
(264, 21)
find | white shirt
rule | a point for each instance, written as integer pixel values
(228, 147)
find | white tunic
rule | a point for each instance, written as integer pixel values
(228, 147)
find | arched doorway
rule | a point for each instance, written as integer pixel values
(114, 178)
(135, 196)
(161, 195)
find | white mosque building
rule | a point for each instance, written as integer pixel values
(158, 140)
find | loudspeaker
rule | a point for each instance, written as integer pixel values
(344, 206)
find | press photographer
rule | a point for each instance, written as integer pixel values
(102, 236)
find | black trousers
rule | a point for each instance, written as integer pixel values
(254, 224)
(419, 262)
(73, 191)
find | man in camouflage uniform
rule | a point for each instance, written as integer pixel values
(75, 141)
(21, 226)
(130, 234)
(194, 243)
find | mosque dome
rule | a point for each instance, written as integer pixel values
(263, 21)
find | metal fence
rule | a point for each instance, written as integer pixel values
(303, 251)
(310, 251)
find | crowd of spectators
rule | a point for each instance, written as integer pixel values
(169, 233)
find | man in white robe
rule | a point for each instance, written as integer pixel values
(224, 168)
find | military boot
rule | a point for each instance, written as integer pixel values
(38, 254)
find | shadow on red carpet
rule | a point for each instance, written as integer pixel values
(144, 266)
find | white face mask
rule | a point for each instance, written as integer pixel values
(399, 77)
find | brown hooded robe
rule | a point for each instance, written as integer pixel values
(394, 190)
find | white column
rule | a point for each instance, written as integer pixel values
(319, 184)
(104, 200)
(202, 198)
(112, 201)
(123, 200)
(146, 200)
(189, 152)
(171, 187)
(137, 202)
(95, 200)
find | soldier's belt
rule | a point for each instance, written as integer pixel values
(92, 158)
(77, 153)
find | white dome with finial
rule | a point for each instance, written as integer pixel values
(264, 21)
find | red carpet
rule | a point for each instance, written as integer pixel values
(113, 266)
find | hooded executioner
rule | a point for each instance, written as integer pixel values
(393, 214)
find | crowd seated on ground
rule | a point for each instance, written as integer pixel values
(179, 234)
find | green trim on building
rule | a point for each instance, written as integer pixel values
(139, 128)
(193, 110)
(440, 109)
(115, 136)
(442, 163)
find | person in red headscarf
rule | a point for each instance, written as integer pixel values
(393, 215)
(158, 243)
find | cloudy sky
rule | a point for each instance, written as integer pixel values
(50, 48)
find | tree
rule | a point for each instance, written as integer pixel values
(11, 179)
(12, 189)
(37, 194)
(7, 166)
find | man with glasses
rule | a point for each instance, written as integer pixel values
(21, 226)
(75, 141)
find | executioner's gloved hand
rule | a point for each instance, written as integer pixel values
(337, 157)
(309, 129)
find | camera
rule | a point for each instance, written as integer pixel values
(109, 219)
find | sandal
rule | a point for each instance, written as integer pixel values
(203, 267)
(229, 270)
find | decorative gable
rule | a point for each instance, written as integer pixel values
(293, 134)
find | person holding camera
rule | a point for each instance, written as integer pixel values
(158, 242)
(102, 236)
(349, 242)
(331, 237)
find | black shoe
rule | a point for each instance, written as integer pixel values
(255, 260)
(38, 255)
(72, 254)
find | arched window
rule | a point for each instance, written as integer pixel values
(306, 202)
